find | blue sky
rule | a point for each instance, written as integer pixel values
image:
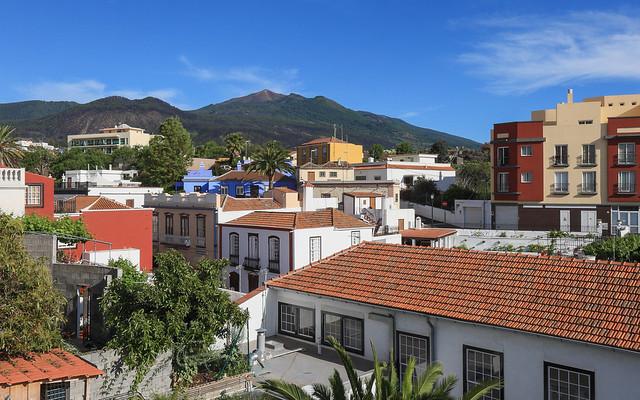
(456, 66)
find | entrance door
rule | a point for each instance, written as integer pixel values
(311, 176)
(588, 221)
(401, 224)
(234, 281)
(253, 281)
(565, 220)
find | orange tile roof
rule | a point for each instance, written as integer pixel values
(427, 233)
(251, 203)
(91, 203)
(365, 194)
(250, 295)
(285, 189)
(300, 220)
(52, 366)
(589, 301)
(236, 175)
(324, 140)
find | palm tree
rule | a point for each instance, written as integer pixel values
(10, 152)
(234, 143)
(270, 159)
(429, 386)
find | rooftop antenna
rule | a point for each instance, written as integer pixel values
(342, 131)
(334, 130)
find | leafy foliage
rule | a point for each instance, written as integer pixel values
(405, 148)
(475, 176)
(234, 144)
(10, 152)
(626, 248)
(30, 306)
(376, 151)
(210, 149)
(165, 160)
(38, 160)
(270, 159)
(126, 157)
(441, 149)
(78, 159)
(61, 226)
(181, 310)
(421, 192)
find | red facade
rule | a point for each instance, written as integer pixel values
(39, 195)
(618, 192)
(511, 138)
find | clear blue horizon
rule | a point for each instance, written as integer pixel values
(457, 67)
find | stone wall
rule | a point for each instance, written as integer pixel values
(41, 246)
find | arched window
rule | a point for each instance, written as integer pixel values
(274, 254)
(234, 248)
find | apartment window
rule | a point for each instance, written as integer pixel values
(561, 183)
(355, 237)
(589, 182)
(54, 391)
(33, 195)
(526, 177)
(348, 331)
(377, 178)
(626, 182)
(184, 225)
(412, 346)
(122, 141)
(361, 178)
(234, 248)
(626, 218)
(274, 254)
(155, 221)
(254, 249)
(526, 150)
(588, 154)
(239, 190)
(333, 174)
(561, 157)
(197, 188)
(168, 224)
(503, 156)
(503, 182)
(482, 365)
(568, 383)
(224, 190)
(585, 122)
(626, 153)
(296, 321)
(322, 174)
(315, 248)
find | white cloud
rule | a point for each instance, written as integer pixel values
(87, 90)
(409, 114)
(243, 79)
(527, 53)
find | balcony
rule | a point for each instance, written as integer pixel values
(234, 259)
(560, 188)
(71, 188)
(626, 189)
(177, 240)
(559, 161)
(252, 264)
(274, 266)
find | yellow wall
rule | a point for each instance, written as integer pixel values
(347, 152)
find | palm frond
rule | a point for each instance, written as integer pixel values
(428, 379)
(407, 379)
(354, 381)
(482, 389)
(337, 387)
(277, 389)
(321, 392)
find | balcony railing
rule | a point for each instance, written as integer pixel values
(626, 188)
(589, 161)
(251, 263)
(274, 266)
(560, 161)
(71, 187)
(560, 188)
(177, 240)
(201, 242)
(587, 189)
(503, 188)
(234, 259)
(625, 159)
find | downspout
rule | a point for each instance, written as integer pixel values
(432, 336)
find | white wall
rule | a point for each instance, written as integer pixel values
(256, 307)
(333, 241)
(12, 191)
(104, 256)
(122, 194)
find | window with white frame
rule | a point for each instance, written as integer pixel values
(588, 154)
(526, 177)
(503, 182)
(626, 153)
(33, 195)
(274, 254)
(240, 190)
(254, 249)
(348, 331)
(561, 182)
(315, 248)
(627, 218)
(526, 150)
(412, 346)
(333, 174)
(224, 190)
(322, 174)
(588, 182)
(296, 321)
(482, 365)
(561, 157)
(626, 182)
(355, 237)
(503, 156)
(569, 383)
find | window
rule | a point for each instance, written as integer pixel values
(412, 346)
(325, 195)
(201, 229)
(325, 152)
(184, 225)
(561, 155)
(239, 190)
(377, 178)
(33, 195)
(397, 197)
(526, 151)
(588, 182)
(561, 183)
(348, 331)
(274, 254)
(585, 122)
(568, 383)
(297, 321)
(315, 248)
(155, 221)
(626, 218)
(361, 178)
(503, 156)
(254, 249)
(526, 177)
(168, 224)
(224, 190)
(482, 365)
(333, 174)
(355, 237)
(322, 174)
(610, 104)
(626, 153)
(234, 248)
(588, 154)
(626, 182)
(54, 391)
(503, 182)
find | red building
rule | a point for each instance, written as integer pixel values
(114, 226)
(38, 195)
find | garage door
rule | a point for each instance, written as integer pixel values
(472, 217)
(506, 217)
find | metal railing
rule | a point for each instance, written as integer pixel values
(560, 188)
(234, 259)
(625, 189)
(201, 242)
(274, 266)
(251, 263)
(625, 159)
(560, 161)
(587, 189)
(177, 240)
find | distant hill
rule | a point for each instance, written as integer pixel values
(262, 116)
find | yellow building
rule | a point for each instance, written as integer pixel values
(328, 149)
(108, 139)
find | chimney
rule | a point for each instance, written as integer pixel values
(307, 196)
(570, 96)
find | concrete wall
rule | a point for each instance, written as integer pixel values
(122, 194)
(12, 189)
(41, 246)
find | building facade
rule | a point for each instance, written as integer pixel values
(330, 171)
(12, 191)
(39, 195)
(109, 139)
(329, 149)
(405, 169)
(569, 168)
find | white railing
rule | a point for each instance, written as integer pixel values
(12, 176)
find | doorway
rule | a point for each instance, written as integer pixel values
(254, 281)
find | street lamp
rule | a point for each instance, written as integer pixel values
(431, 209)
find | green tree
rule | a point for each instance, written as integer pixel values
(384, 384)
(234, 144)
(441, 149)
(64, 226)
(77, 159)
(38, 160)
(210, 149)
(30, 306)
(376, 151)
(270, 159)
(625, 248)
(457, 192)
(164, 162)
(126, 157)
(183, 310)
(405, 148)
(421, 192)
(475, 176)
(10, 152)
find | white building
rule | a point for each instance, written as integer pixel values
(380, 210)
(405, 169)
(27, 144)
(12, 191)
(263, 244)
(101, 177)
(548, 327)
(109, 139)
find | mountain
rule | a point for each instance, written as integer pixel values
(261, 116)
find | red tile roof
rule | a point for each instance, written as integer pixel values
(250, 295)
(300, 220)
(92, 203)
(589, 301)
(52, 366)
(427, 233)
(250, 203)
(365, 194)
(324, 140)
(385, 165)
(236, 175)
(285, 189)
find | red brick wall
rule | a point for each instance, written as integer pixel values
(46, 208)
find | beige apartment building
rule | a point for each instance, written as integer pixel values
(109, 139)
(330, 171)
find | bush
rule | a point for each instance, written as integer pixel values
(626, 248)
(64, 226)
